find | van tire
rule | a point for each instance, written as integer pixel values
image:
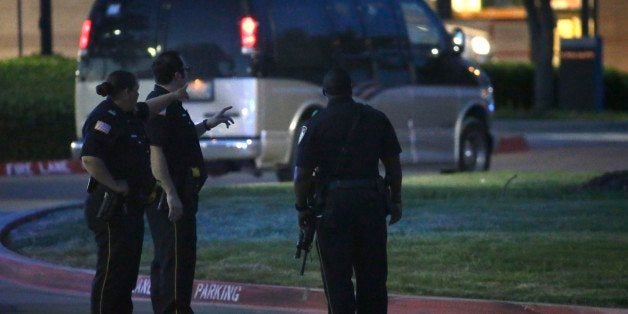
(286, 173)
(475, 146)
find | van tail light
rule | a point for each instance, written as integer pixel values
(248, 34)
(86, 30)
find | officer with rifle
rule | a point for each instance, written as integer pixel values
(344, 144)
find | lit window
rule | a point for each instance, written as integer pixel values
(466, 6)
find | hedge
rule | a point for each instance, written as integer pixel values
(513, 84)
(36, 108)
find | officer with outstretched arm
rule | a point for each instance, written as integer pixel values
(178, 164)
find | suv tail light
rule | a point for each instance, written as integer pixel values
(248, 34)
(85, 33)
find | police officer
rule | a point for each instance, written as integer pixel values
(345, 143)
(178, 164)
(115, 153)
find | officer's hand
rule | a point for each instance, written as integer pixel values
(175, 207)
(395, 214)
(182, 93)
(121, 187)
(305, 218)
(219, 118)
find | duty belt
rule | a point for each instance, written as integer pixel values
(352, 184)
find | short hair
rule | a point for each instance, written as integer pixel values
(337, 82)
(116, 82)
(166, 65)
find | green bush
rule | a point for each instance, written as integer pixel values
(616, 90)
(37, 107)
(514, 86)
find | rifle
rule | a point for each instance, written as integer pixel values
(306, 237)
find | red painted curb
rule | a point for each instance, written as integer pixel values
(44, 275)
(511, 144)
(43, 167)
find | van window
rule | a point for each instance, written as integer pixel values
(301, 36)
(207, 34)
(123, 35)
(384, 34)
(348, 41)
(380, 24)
(421, 29)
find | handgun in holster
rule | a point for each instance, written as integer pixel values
(111, 205)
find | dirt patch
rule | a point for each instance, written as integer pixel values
(610, 181)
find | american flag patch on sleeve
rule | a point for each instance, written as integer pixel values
(102, 127)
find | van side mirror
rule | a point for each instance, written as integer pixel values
(458, 39)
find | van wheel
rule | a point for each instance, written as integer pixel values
(475, 148)
(286, 173)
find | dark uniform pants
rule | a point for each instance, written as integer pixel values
(352, 239)
(119, 244)
(172, 269)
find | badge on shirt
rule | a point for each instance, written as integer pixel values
(102, 127)
(303, 131)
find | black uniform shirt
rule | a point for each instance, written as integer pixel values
(322, 138)
(174, 131)
(119, 139)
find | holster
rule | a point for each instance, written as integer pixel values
(91, 185)
(383, 187)
(111, 205)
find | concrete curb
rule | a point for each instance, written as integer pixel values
(42, 167)
(34, 273)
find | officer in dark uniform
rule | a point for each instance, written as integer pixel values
(178, 164)
(345, 143)
(116, 155)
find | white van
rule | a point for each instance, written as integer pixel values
(267, 58)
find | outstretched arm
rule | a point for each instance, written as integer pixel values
(214, 121)
(157, 104)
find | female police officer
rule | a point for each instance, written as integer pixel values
(116, 154)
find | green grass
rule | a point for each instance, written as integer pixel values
(539, 239)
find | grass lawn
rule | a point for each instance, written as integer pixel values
(540, 239)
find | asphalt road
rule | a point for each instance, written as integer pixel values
(17, 193)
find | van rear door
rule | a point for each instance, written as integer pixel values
(207, 35)
(122, 36)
